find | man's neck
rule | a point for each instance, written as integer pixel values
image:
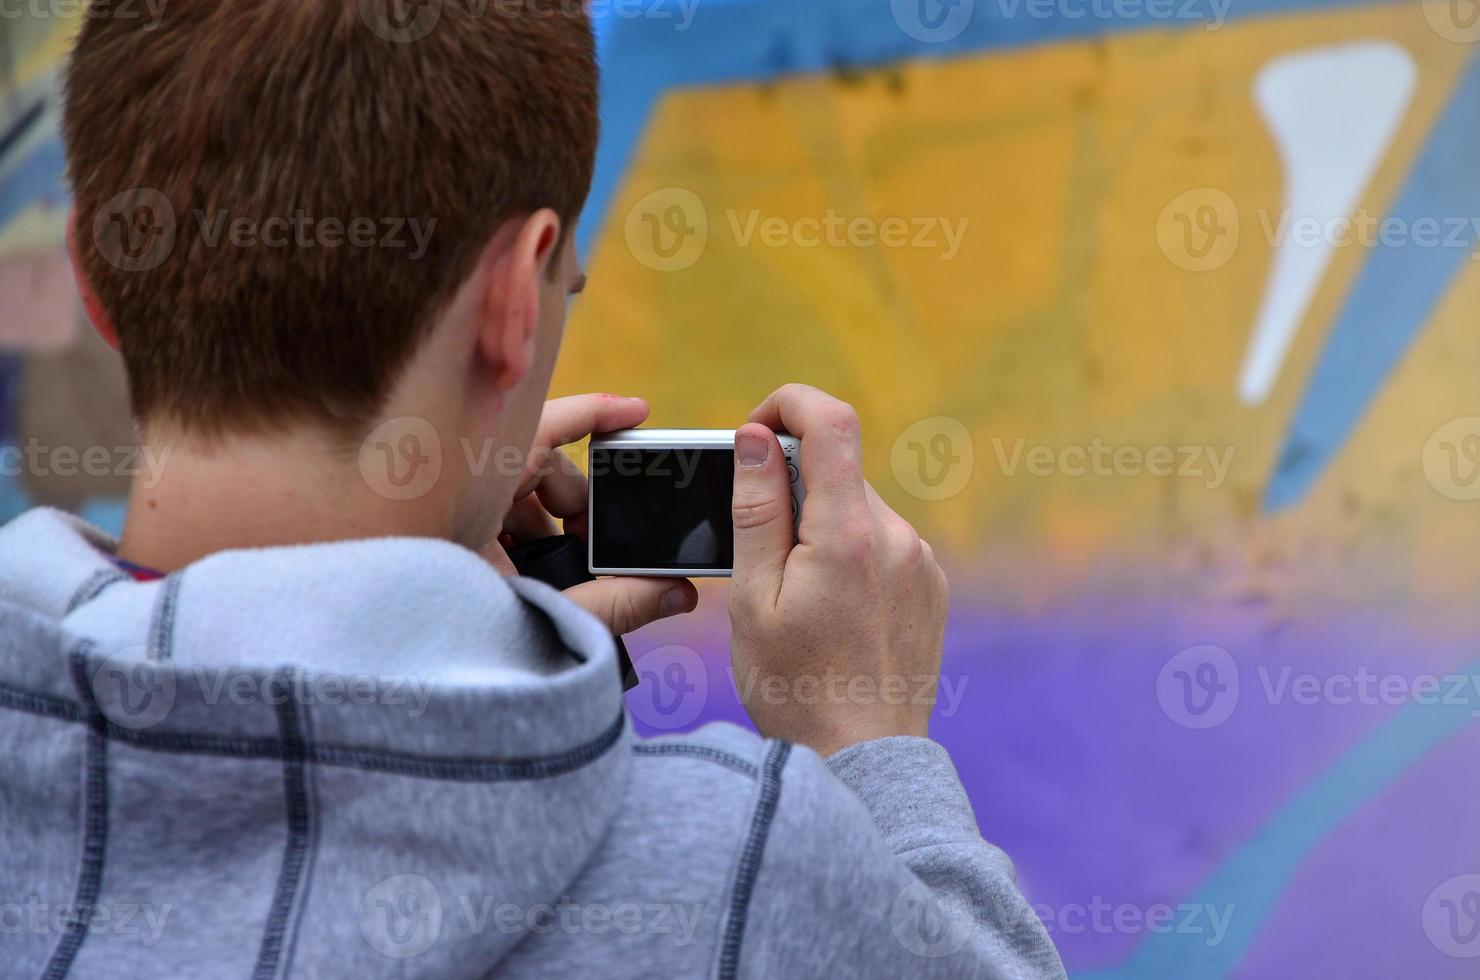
(256, 492)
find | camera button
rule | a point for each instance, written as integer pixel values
(791, 472)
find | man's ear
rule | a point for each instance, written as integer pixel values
(519, 257)
(96, 315)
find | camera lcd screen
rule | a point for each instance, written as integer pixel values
(662, 508)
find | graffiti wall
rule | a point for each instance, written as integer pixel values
(1159, 315)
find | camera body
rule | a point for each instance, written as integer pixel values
(660, 501)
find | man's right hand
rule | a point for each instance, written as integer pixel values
(836, 639)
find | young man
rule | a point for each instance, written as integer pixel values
(302, 720)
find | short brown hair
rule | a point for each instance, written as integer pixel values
(223, 116)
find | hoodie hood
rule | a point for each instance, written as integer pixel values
(372, 723)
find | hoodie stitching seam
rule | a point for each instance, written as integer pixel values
(94, 827)
(750, 860)
(310, 786)
(162, 628)
(720, 758)
(93, 586)
(451, 769)
(30, 703)
(295, 850)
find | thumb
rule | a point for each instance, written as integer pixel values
(626, 604)
(761, 512)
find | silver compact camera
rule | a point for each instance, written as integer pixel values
(660, 501)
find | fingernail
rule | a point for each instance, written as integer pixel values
(751, 450)
(674, 601)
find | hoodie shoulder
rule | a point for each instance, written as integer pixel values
(51, 561)
(941, 910)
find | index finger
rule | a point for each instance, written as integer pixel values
(569, 420)
(573, 418)
(832, 449)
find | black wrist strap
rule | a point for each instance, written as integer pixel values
(560, 562)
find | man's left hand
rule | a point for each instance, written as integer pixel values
(553, 487)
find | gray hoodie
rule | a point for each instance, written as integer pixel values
(383, 759)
